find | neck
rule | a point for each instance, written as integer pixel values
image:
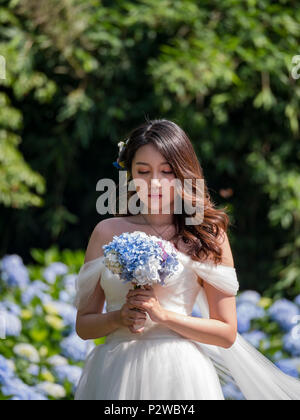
(159, 219)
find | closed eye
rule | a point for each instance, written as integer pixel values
(164, 172)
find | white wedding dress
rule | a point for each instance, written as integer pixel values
(160, 364)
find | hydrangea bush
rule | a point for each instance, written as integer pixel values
(41, 356)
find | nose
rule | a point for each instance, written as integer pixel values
(156, 182)
(155, 185)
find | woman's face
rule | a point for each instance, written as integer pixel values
(150, 167)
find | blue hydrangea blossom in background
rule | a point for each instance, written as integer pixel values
(284, 313)
(13, 272)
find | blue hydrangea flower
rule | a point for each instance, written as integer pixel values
(51, 389)
(70, 373)
(68, 293)
(57, 360)
(6, 371)
(246, 311)
(69, 282)
(250, 296)
(244, 324)
(196, 312)
(10, 307)
(284, 312)
(13, 271)
(36, 289)
(11, 324)
(289, 366)
(67, 312)
(231, 392)
(18, 390)
(291, 342)
(297, 300)
(277, 356)
(53, 270)
(64, 297)
(33, 369)
(141, 258)
(250, 310)
(74, 348)
(255, 337)
(38, 310)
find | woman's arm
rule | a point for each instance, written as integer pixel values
(219, 330)
(91, 323)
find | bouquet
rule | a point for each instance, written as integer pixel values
(140, 259)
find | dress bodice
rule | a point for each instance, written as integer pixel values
(178, 294)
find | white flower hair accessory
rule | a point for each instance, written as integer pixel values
(118, 163)
(121, 145)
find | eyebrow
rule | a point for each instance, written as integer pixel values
(145, 163)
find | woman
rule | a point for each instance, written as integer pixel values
(173, 356)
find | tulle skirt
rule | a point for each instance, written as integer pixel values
(168, 367)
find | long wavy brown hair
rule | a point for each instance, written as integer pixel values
(202, 240)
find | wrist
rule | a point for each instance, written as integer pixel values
(117, 318)
(164, 316)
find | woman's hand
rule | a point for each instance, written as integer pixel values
(128, 317)
(146, 300)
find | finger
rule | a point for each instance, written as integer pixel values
(139, 291)
(136, 298)
(136, 331)
(140, 312)
(138, 294)
(138, 321)
(136, 303)
(135, 309)
(140, 316)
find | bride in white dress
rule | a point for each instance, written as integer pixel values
(175, 356)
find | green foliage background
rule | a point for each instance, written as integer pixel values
(81, 73)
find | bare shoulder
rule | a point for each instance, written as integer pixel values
(227, 257)
(105, 226)
(112, 226)
(101, 235)
(223, 242)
